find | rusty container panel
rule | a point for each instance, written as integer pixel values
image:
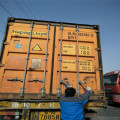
(57, 55)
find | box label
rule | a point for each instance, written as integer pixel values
(69, 65)
(85, 66)
(36, 63)
(68, 49)
(84, 50)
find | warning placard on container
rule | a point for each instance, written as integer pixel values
(68, 49)
(69, 65)
(85, 66)
(37, 48)
(84, 50)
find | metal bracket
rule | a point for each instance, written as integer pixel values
(35, 80)
(98, 49)
(6, 43)
(15, 79)
(48, 27)
(77, 28)
(45, 59)
(58, 92)
(61, 27)
(26, 58)
(43, 92)
(60, 60)
(78, 92)
(97, 31)
(2, 65)
(22, 90)
(99, 69)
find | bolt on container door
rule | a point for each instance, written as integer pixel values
(15, 55)
(65, 59)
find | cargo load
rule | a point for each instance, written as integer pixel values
(39, 59)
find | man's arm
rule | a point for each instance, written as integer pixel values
(85, 97)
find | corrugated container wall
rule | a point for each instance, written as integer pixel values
(39, 59)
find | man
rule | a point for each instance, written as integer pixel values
(71, 106)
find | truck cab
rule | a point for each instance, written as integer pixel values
(112, 86)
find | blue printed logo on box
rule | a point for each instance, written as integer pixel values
(18, 45)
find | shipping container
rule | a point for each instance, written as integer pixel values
(39, 59)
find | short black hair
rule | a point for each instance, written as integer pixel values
(70, 92)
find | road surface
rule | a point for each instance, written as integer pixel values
(112, 112)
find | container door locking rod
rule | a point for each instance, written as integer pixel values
(60, 60)
(23, 86)
(81, 83)
(43, 89)
(78, 89)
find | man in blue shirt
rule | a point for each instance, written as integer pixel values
(71, 106)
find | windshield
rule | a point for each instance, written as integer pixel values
(110, 80)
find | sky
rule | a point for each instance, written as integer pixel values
(105, 13)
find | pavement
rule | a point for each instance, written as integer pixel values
(112, 112)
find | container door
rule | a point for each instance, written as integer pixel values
(75, 59)
(38, 69)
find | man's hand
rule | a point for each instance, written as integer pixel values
(89, 88)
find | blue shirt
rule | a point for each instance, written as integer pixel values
(72, 107)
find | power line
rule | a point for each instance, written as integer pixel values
(21, 9)
(6, 10)
(28, 9)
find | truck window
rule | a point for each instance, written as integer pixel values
(110, 79)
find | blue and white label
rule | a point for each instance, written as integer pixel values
(18, 46)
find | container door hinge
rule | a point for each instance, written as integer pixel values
(10, 24)
(35, 80)
(97, 31)
(6, 43)
(98, 49)
(99, 69)
(2, 65)
(15, 79)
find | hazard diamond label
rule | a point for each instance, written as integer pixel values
(37, 48)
